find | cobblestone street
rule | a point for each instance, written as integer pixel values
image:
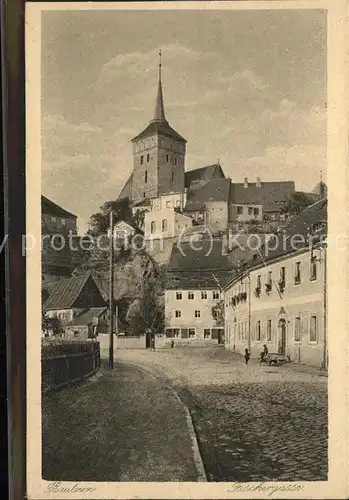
(254, 423)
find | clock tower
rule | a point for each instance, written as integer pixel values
(158, 156)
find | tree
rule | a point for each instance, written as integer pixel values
(99, 223)
(138, 218)
(217, 312)
(150, 310)
(296, 203)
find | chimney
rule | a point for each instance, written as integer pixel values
(245, 183)
(258, 183)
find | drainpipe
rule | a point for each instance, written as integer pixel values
(324, 362)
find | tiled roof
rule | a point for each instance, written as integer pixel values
(204, 173)
(66, 291)
(159, 127)
(51, 208)
(271, 195)
(203, 254)
(85, 318)
(197, 280)
(126, 191)
(213, 190)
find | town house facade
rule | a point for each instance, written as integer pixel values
(280, 303)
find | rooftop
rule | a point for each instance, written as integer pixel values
(203, 173)
(51, 208)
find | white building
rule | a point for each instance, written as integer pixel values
(165, 223)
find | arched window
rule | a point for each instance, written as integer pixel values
(146, 176)
(172, 177)
(142, 160)
(175, 160)
(167, 158)
(164, 225)
(152, 227)
(148, 158)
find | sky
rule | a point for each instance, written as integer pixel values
(245, 87)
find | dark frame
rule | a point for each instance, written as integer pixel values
(13, 101)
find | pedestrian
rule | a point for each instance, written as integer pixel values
(247, 355)
(172, 343)
(263, 353)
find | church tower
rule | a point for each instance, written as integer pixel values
(158, 155)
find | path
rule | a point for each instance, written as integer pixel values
(254, 423)
(121, 426)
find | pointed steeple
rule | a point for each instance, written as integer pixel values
(159, 115)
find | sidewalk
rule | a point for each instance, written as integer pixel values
(120, 426)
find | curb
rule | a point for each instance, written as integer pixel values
(198, 462)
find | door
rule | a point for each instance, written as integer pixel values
(221, 336)
(282, 337)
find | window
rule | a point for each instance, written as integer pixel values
(269, 279)
(250, 210)
(172, 177)
(258, 282)
(258, 331)
(178, 203)
(297, 273)
(204, 295)
(197, 314)
(167, 158)
(313, 329)
(164, 225)
(216, 295)
(53, 219)
(178, 314)
(146, 176)
(190, 295)
(256, 212)
(148, 158)
(313, 270)
(142, 158)
(176, 332)
(168, 204)
(207, 333)
(179, 295)
(297, 329)
(191, 332)
(152, 226)
(63, 222)
(175, 160)
(269, 330)
(239, 210)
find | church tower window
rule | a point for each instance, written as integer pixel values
(167, 158)
(142, 160)
(175, 160)
(146, 176)
(148, 158)
(172, 177)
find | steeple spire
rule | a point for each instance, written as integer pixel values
(159, 114)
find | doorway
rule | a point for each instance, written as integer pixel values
(282, 337)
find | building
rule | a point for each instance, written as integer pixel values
(280, 300)
(165, 223)
(159, 181)
(196, 273)
(73, 298)
(56, 225)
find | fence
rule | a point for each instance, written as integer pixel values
(67, 362)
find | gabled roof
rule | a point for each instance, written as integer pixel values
(206, 254)
(85, 318)
(268, 194)
(311, 215)
(66, 292)
(204, 173)
(126, 191)
(161, 127)
(197, 280)
(50, 208)
(213, 190)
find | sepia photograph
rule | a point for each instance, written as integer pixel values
(183, 248)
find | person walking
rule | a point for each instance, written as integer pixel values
(247, 356)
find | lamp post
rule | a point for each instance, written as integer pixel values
(111, 292)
